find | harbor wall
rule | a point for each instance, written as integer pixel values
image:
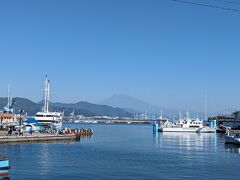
(12, 139)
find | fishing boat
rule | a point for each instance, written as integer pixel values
(4, 166)
(45, 117)
(186, 125)
(232, 138)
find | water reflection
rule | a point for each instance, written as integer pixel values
(43, 155)
(187, 141)
(231, 148)
(4, 178)
(156, 139)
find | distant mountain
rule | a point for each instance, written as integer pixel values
(21, 103)
(83, 108)
(134, 105)
(130, 103)
(132, 111)
(101, 110)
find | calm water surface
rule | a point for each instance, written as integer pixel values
(126, 152)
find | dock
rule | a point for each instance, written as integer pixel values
(112, 121)
(39, 138)
(67, 134)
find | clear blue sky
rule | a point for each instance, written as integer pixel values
(160, 51)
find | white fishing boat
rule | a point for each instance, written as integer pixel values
(45, 117)
(185, 125)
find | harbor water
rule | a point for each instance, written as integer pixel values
(126, 152)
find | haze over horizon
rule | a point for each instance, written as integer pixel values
(162, 52)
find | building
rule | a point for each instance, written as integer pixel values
(229, 120)
(6, 118)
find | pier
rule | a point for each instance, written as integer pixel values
(111, 121)
(65, 135)
(38, 137)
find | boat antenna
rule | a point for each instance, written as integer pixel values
(205, 106)
(180, 115)
(161, 114)
(187, 115)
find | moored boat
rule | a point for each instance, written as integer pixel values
(45, 117)
(186, 125)
(4, 166)
(232, 137)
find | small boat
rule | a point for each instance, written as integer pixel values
(206, 129)
(232, 138)
(4, 166)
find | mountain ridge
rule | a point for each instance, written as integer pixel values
(102, 110)
(134, 105)
(131, 103)
(84, 108)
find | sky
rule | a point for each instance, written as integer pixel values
(161, 51)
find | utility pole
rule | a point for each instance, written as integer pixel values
(20, 121)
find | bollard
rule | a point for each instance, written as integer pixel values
(155, 128)
(214, 123)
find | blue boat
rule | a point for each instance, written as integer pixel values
(4, 166)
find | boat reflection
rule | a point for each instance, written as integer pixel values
(231, 148)
(188, 141)
(156, 139)
(4, 178)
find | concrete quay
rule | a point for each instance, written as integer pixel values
(37, 137)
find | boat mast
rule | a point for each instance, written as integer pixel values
(46, 95)
(205, 106)
(8, 107)
(9, 86)
(161, 114)
(180, 116)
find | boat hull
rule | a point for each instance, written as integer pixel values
(3, 173)
(54, 124)
(206, 130)
(165, 129)
(195, 130)
(4, 167)
(232, 140)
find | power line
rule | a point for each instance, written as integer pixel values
(207, 5)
